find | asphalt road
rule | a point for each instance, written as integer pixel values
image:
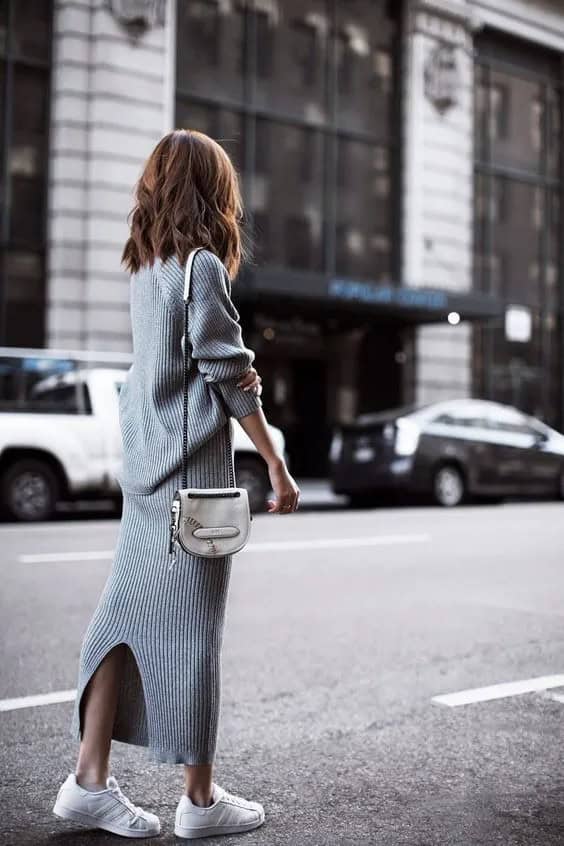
(338, 636)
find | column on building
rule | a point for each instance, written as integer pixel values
(109, 108)
(438, 184)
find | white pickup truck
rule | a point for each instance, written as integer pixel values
(60, 437)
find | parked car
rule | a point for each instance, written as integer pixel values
(451, 450)
(60, 437)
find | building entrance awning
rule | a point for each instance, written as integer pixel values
(405, 304)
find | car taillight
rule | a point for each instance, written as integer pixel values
(407, 437)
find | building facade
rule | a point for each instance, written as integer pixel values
(401, 170)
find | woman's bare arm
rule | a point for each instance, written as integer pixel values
(256, 427)
(283, 485)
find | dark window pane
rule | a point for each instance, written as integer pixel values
(30, 100)
(209, 50)
(516, 369)
(286, 198)
(261, 236)
(363, 203)
(514, 260)
(517, 119)
(3, 27)
(553, 365)
(23, 276)
(27, 212)
(223, 125)
(554, 133)
(552, 272)
(31, 28)
(23, 199)
(364, 49)
(291, 58)
(480, 112)
(298, 238)
(2, 120)
(26, 162)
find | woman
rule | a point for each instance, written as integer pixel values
(149, 671)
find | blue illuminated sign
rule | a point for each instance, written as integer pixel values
(368, 292)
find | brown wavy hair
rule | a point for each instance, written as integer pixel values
(188, 196)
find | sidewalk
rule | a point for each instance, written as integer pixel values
(316, 493)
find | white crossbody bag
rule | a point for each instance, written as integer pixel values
(210, 522)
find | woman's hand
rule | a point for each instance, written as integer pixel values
(285, 488)
(251, 381)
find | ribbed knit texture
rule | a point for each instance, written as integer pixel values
(150, 401)
(171, 620)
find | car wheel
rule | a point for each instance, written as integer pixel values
(449, 486)
(30, 490)
(252, 476)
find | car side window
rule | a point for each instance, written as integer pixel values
(445, 419)
(465, 421)
(38, 385)
(510, 421)
(86, 401)
(513, 428)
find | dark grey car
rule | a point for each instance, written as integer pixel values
(451, 450)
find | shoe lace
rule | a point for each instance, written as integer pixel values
(134, 809)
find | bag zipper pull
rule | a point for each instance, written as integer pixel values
(172, 539)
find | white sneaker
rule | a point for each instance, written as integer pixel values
(108, 809)
(227, 814)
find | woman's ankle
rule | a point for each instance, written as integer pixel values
(91, 779)
(202, 798)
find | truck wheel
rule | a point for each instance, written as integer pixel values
(252, 476)
(30, 490)
(449, 486)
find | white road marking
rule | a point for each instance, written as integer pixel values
(330, 543)
(556, 697)
(49, 557)
(499, 691)
(58, 528)
(38, 699)
(270, 546)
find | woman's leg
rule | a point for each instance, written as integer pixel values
(99, 702)
(198, 779)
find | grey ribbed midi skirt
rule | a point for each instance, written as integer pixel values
(172, 622)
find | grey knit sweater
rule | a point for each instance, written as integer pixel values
(151, 399)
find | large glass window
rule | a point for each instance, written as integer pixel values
(301, 95)
(292, 41)
(286, 194)
(517, 223)
(25, 44)
(363, 188)
(210, 48)
(364, 59)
